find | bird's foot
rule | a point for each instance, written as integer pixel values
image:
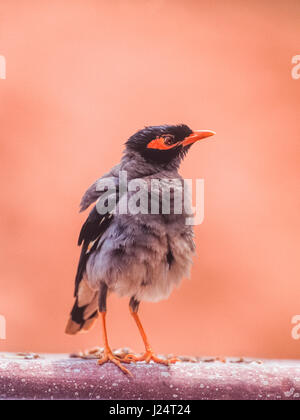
(108, 356)
(147, 357)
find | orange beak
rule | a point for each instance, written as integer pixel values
(197, 135)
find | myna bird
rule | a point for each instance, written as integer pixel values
(142, 255)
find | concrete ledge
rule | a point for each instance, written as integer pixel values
(61, 377)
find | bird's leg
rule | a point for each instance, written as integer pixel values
(108, 354)
(149, 354)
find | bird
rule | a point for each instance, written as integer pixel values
(141, 255)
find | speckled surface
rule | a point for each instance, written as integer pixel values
(60, 377)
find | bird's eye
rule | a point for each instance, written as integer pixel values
(169, 139)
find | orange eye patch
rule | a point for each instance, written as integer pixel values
(160, 144)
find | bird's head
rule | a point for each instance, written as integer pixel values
(165, 143)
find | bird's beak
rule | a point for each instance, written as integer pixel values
(197, 135)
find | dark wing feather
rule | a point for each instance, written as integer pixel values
(85, 309)
(90, 234)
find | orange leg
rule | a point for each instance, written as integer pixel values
(108, 354)
(148, 355)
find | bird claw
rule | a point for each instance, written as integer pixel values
(147, 357)
(108, 356)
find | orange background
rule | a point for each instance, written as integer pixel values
(82, 76)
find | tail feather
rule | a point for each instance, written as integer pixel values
(85, 310)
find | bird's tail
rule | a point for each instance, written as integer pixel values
(85, 310)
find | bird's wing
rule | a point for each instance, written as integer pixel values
(85, 309)
(92, 194)
(89, 237)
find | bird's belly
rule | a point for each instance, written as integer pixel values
(137, 264)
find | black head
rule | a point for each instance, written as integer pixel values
(164, 143)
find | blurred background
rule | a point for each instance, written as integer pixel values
(82, 76)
